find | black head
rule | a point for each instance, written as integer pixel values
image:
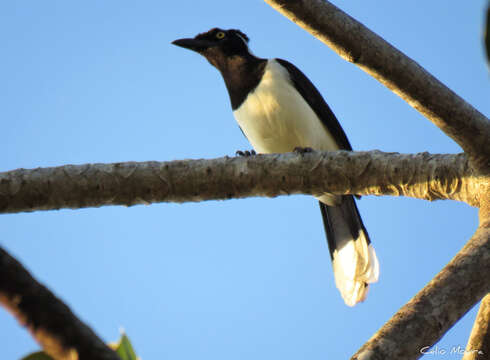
(227, 50)
(218, 45)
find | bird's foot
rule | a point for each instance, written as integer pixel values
(245, 153)
(302, 150)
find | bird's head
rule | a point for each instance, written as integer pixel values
(218, 46)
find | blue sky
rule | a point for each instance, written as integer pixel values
(86, 82)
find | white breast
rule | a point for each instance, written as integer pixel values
(275, 117)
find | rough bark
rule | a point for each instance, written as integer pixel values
(357, 44)
(442, 302)
(478, 347)
(422, 176)
(418, 324)
(61, 334)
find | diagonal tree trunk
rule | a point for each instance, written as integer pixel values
(357, 44)
(478, 346)
(48, 319)
(442, 302)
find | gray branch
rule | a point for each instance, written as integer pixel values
(422, 321)
(442, 302)
(478, 347)
(357, 44)
(422, 176)
(418, 324)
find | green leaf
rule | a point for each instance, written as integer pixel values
(124, 348)
(39, 355)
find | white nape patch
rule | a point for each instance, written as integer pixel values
(276, 119)
(245, 42)
(243, 39)
(355, 265)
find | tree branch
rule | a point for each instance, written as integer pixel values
(478, 346)
(50, 321)
(357, 44)
(442, 302)
(422, 176)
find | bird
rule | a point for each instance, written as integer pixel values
(279, 110)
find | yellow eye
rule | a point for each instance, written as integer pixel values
(220, 35)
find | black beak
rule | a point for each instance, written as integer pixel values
(193, 44)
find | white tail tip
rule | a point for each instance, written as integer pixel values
(355, 266)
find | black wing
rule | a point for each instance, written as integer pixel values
(313, 97)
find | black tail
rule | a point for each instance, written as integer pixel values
(353, 258)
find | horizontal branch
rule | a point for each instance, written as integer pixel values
(422, 176)
(357, 44)
(442, 302)
(50, 321)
